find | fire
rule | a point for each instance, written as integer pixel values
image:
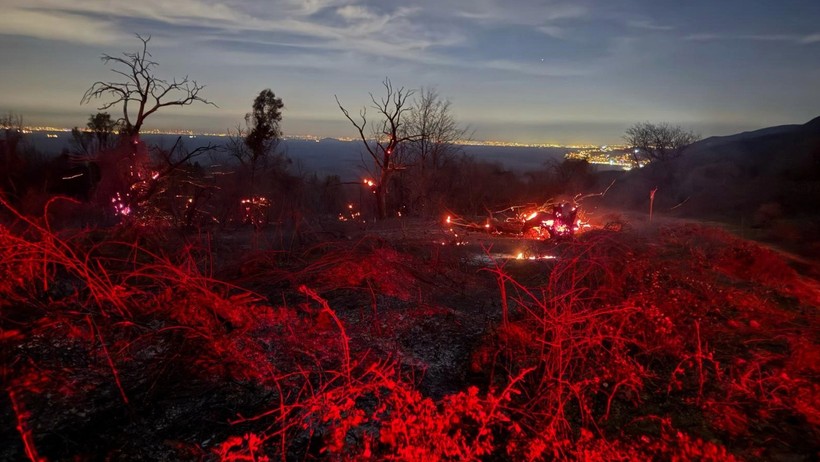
(551, 220)
(522, 256)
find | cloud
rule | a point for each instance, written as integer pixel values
(703, 37)
(789, 38)
(426, 33)
(525, 13)
(310, 7)
(554, 31)
(356, 13)
(813, 38)
(536, 69)
(648, 25)
(65, 27)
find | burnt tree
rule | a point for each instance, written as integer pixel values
(385, 138)
(128, 178)
(435, 134)
(141, 93)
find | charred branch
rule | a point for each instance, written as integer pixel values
(141, 93)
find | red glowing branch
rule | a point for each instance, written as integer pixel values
(326, 309)
(23, 429)
(109, 360)
(550, 220)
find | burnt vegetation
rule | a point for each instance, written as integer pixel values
(167, 306)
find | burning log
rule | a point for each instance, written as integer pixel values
(554, 219)
(550, 220)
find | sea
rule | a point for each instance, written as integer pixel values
(326, 156)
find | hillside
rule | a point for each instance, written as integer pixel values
(408, 340)
(767, 179)
(653, 343)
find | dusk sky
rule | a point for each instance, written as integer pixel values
(515, 70)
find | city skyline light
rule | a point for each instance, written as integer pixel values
(521, 71)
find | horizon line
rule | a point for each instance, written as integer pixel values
(316, 138)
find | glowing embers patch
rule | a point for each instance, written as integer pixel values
(121, 207)
(255, 210)
(494, 258)
(351, 214)
(557, 220)
(523, 256)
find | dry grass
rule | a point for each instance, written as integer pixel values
(674, 343)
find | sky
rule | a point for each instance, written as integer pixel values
(529, 71)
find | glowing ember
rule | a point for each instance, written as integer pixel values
(351, 214)
(255, 210)
(121, 207)
(522, 256)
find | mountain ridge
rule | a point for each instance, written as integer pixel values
(750, 177)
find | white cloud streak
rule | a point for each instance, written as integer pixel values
(788, 38)
(813, 38)
(418, 34)
(61, 26)
(648, 25)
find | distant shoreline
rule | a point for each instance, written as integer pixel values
(188, 133)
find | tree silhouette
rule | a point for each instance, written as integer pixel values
(658, 142)
(141, 93)
(434, 132)
(100, 133)
(11, 164)
(254, 146)
(263, 124)
(386, 137)
(129, 178)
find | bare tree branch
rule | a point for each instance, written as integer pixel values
(658, 142)
(387, 136)
(141, 88)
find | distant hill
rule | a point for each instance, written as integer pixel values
(751, 177)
